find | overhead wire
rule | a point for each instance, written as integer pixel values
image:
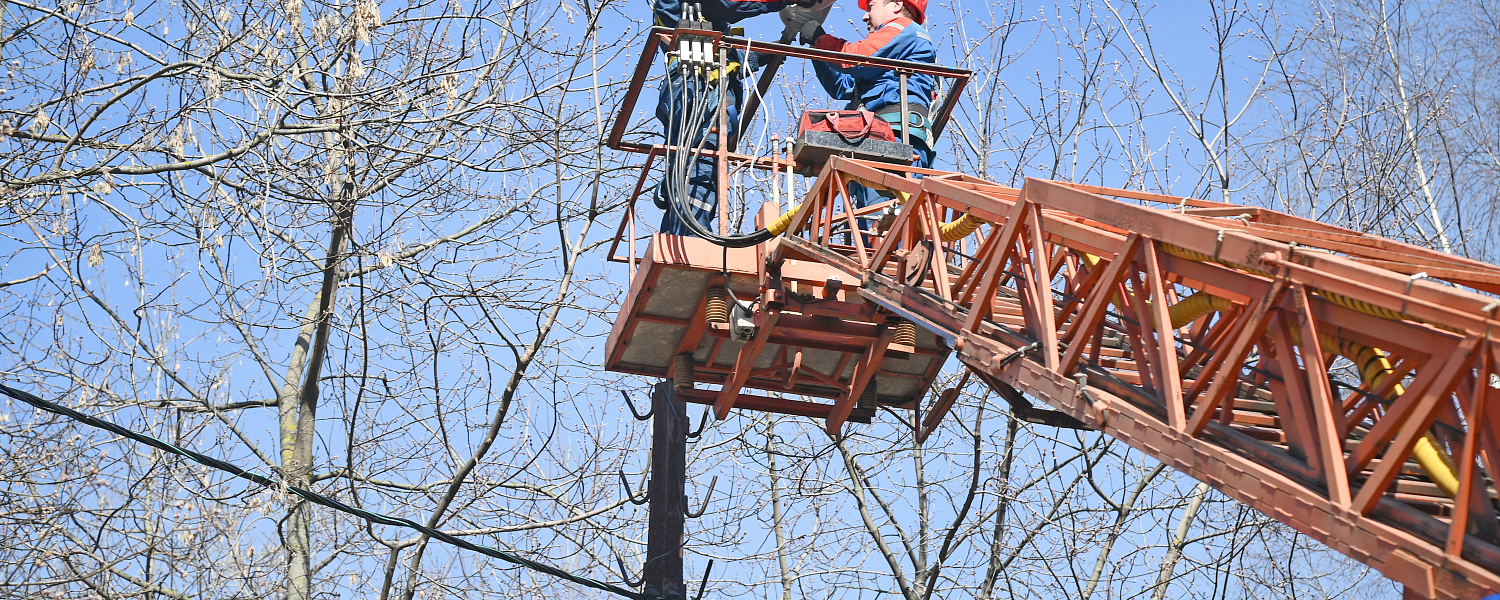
(314, 497)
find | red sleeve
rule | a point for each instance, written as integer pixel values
(869, 45)
(828, 42)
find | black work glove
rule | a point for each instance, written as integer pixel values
(817, 33)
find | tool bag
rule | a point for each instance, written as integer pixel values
(854, 126)
(857, 134)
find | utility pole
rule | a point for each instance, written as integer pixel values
(667, 492)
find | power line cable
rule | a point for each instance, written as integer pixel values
(700, 109)
(314, 497)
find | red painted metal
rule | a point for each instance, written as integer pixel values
(1240, 398)
(796, 315)
(661, 37)
(1069, 293)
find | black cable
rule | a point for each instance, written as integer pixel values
(755, 238)
(680, 203)
(313, 496)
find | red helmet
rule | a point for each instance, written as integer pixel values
(918, 7)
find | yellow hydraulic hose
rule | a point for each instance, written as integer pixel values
(1093, 262)
(1373, 366)
(1367, 308)
(960, 228)
(1190, 308)
(779, 226)
(951, 231)
(1181, 252)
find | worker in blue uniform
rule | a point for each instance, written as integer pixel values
(896, 32)
(691, 128)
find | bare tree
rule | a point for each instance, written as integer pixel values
(354, 245)
(324, 240)
(1382, 122)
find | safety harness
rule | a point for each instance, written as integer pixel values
(918, 122)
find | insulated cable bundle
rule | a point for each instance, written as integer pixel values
(702, 78)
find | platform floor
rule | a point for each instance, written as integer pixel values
(812, 351)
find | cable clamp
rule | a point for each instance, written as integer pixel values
(1082, 392)
(1413, 278)
(1410, 280)
(1010, 358)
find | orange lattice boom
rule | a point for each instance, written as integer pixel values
(1338, 382)
(1114, 349)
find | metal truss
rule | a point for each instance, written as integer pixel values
(1339, 382)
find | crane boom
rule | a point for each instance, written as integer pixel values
(1339, 382)
(1238, 395)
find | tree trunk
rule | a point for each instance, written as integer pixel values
(1174, 551)
(299, 518)
(776, 516)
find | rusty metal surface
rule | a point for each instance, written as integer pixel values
(1318, 367)
(1068, 294)
(814, 348)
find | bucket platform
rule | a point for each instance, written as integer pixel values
(806, 340)
(815, 337)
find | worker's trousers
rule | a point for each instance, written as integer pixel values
(688, 109)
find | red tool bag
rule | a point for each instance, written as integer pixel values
(854, 126)
(857, 134)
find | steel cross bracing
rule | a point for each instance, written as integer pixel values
(1316, 374)
(1339, 382)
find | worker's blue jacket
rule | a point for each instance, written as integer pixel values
(721, 13)
(876, 88)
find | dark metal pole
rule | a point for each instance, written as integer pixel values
(663, 570)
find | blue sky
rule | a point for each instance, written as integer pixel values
(1129, 136)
